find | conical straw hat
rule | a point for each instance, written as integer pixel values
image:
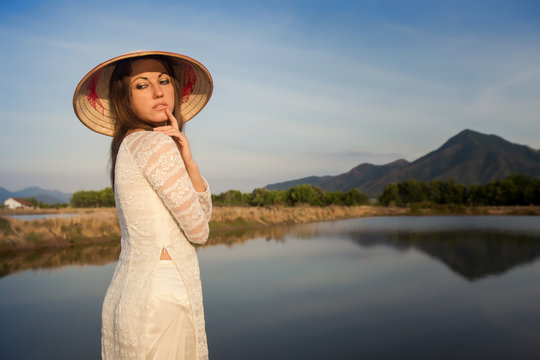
(91, 97)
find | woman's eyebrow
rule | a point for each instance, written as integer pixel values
(145, 78)
(140, 77)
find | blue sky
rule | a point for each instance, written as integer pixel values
(301, 87)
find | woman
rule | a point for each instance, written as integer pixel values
(153, 306)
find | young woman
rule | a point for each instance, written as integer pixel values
(153, 307)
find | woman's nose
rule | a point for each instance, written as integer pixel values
(157, 91)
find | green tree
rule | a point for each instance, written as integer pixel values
(106, 197)
(102, 198)
(279, 197)
(453, 193)
(335, 198)
(410, 191)
(475, 195)
(231, 197)
(435, 192)
(259, 197)
(355, 197)
(390, 196)
(305, 194)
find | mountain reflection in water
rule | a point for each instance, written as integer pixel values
(473, 254)
(368, 288)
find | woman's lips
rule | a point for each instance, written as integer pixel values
(160, 106)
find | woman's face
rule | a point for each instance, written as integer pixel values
(152, 90)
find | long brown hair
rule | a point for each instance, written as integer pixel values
(120, 97)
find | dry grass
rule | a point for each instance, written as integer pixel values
(85, 228)
(225, 218)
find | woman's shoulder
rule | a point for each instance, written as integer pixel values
(146, 135)
(145, 146)
(145, 139)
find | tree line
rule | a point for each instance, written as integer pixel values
(41, 205)
(300, 194)
(514, 190)
(92, 198)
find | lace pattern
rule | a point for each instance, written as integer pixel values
(157, 208)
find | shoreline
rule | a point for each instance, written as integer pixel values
(93, 226)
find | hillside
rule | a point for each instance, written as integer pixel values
(43, 195)
(469, 157)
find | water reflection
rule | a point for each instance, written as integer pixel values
(471, 254)
(230, 238)
(29, 217)
(357, 289)
(99, 254)
(365, 289)
(104, 253)
(473, 248)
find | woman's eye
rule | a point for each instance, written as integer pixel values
(141, 86)
(164, 81)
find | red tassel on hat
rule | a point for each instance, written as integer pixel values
(190, 78)
(93, 97)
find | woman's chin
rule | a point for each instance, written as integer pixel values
(158, 121)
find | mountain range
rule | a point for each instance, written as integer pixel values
(469, 158)
(43, 195)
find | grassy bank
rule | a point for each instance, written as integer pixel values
(86, 228)
(235, 217)
(97, 226)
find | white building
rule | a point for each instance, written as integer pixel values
(14, 203)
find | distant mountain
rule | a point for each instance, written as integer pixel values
(469, 158)
(43, 195)
(313, 180)
(4, 194)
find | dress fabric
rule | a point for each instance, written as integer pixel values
(157, 208)
(170, 332)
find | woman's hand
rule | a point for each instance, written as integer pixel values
(182, 142)
(179, 138)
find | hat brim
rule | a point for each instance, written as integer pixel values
(91, 98)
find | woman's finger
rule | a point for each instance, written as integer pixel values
(161, 128)
(169, 130)
(165, 128)
(172, 119)
(174, 133)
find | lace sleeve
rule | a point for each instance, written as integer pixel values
(160, 161)
(205, 199)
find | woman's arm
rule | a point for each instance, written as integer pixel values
(158, 157)
(195, 176)
(185, 151)
(199, 184)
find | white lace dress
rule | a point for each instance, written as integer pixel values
(157, 208)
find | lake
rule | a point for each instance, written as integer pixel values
(463, 287)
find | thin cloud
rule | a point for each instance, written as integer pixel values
(297, 92)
